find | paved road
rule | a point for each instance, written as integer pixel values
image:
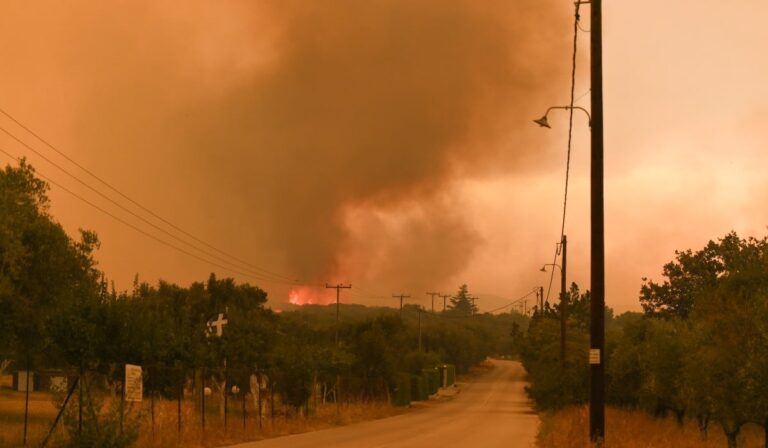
(491, 411)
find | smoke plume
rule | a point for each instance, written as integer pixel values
(372, 110)
(320, 138)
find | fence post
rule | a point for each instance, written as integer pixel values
(26, 401)
(80, 401)
(61, 411)
(152, 398)
(258, 389)
(202, 397)
(178, 404)
(244, 415)
(272, 403)
(122, 399)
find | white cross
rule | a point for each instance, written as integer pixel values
(218, 324)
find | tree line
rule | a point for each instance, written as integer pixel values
(698, 351)
(59, 311)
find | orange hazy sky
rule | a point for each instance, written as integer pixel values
(389, 145)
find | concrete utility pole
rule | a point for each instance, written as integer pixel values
(401, 297)
(563, 298)
(444, 296)
(597, 268)
(338, 288)
(433, 294)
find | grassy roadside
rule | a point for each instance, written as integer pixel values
(166, 434)
(568, 428)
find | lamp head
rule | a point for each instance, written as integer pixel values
(543, 269)
(543, 122)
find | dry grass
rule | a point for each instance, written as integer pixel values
(165, 433)
(41, 414)
(325, 416)
(568, 428)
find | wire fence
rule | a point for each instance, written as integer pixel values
(173, 405)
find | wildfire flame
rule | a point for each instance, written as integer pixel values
(308, 296)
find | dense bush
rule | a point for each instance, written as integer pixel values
(699, 351)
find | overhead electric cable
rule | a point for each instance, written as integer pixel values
(131, 200)
(263, 272)
(570, 140)
(142, 231)
(518, 300)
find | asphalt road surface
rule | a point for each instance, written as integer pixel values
(491, 411)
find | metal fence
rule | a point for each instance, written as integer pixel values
(165, 406)
(44, 407)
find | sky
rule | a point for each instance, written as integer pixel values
(387, 144)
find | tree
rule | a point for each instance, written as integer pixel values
(461, 304)
(43, 272)
(710, 355)
(694, 273)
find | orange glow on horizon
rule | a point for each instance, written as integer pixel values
(308, 296)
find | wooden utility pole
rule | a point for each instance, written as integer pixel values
(563, 298)
(433, 294)
(401, 297)
(419, 329)
(597, 268)
(338, 288)
(444, 296)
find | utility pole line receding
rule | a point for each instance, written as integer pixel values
(444, 296)
(597, 268)
(401, 297)
(433, 294)
(338, 288)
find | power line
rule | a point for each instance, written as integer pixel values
(570, 117)
(122, 207)
(518, 300)
(338, 288)
(401, 297)
(444, 296)
(433, 294)
(570, 138)
(143, 232)
(134, 202)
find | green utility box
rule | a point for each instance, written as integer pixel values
(401, 396)
(419, 388)
(433, 379)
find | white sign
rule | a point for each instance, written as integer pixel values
(594, 356)
(216, 324)
(134, 387)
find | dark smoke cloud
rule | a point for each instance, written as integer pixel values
(373, 104)
(295, 133)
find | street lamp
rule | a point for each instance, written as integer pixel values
(564, 299)
(544, 121)
(597, 225)
(544, 268)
